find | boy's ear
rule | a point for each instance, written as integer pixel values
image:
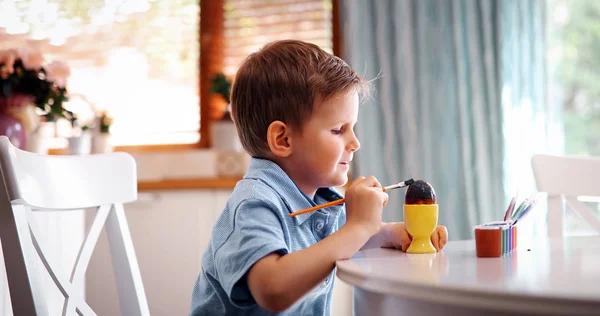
(278, 138)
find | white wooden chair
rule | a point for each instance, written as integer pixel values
(31, 183)
(564, 179)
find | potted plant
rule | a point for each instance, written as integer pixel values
(80, 142)
(30, 92)
(223, 132)
(101, 139)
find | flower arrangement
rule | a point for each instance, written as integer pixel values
(25, 80)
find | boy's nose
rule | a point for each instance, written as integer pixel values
(354, 144)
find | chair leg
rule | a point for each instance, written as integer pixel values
(19, 287)
(132, 297)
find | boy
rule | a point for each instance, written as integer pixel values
(295, 107)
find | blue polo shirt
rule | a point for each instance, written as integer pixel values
(255, 223)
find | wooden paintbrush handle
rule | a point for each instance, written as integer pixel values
(318, 207)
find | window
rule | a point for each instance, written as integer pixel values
(139, 59)
(573, 54)
(573, 48)
(251, 24)
(136, 59)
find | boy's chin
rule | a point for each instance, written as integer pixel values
(340, 181)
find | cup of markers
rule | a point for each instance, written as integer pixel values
(495, 239)
(498, 238)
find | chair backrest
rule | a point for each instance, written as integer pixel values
(564, 179)
(30, 183)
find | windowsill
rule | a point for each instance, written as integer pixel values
(189, 184)
(140, 148)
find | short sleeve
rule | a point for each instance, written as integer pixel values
(256, 231)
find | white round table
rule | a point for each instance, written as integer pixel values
(556, 277)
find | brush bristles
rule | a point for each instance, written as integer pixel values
(399, 185)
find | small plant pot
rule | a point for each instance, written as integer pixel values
(224, 136)
(80, 145)
(101, 143)
(37, 143)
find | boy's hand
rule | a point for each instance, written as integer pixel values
(364, 202)
(399, 237)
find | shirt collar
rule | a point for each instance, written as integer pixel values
(271, 174)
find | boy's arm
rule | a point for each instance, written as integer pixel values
(277, 281)
(381, 239)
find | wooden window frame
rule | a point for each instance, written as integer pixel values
(212, 17)
(211, 62)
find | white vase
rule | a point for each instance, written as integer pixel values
(37, 143)
(101, 143)
(224, 136)
(80, 145)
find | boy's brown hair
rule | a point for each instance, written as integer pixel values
(281, 83)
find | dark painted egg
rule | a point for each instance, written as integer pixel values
(420, 192)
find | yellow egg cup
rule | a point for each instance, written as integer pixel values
(421, 220)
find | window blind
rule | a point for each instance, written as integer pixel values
(250, 24)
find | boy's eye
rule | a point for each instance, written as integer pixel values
(336, 131)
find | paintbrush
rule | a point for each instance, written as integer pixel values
(340, 201)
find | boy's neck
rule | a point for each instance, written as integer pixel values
(292, 173)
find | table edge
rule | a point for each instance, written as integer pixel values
(470, 297)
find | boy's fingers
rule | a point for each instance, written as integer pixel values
(377, 184)
(405, 239)
(356, 181)
(405, 246)
(385, 198)
(371, 181)
(443, 234)
(435, 240)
